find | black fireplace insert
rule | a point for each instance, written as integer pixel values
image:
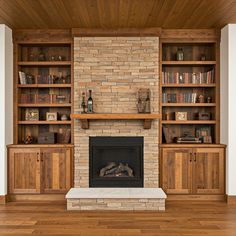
(115, 162)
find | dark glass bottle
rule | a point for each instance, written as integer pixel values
(90, 103)
(83, 105)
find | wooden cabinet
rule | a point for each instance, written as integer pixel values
(208, 171)
(39, 170)
(24, 170)
(192, 170)
(176, 170)
(55, 170)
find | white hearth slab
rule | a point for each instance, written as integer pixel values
(116, 199)
(116, 193)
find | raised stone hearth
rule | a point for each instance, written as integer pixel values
(116, 199)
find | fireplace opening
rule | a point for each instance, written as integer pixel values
(116, 161)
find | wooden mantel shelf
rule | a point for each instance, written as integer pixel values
(147, 118)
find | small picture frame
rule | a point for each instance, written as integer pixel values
(181, 116)
(51, 116)
(32, 114)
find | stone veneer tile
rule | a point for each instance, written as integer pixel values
(115, 68)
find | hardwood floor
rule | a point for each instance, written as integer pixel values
(179, 219)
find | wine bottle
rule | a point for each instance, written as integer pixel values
(83, 105)
(90, 103)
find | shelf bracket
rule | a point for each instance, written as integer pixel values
(147, 124)
(84, 123)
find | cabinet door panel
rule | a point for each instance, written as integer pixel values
(24, 171)
(56, 171)
(176, 170)
(209, 171)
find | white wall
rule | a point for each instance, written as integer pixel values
(228, 103)
(6, 101)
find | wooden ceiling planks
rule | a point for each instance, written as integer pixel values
(176, 14)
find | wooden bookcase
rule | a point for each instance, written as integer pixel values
(189, 87)
(190, 171)
(44, 86)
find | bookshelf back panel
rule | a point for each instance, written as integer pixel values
(35, 130)
(192, 52)
(44, 53)
(168, 113)
(43, 111)
(40, 74)
(171, 132)
(180, 93)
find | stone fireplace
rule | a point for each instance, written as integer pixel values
(116, 162)
(115, 68)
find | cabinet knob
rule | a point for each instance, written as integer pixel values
(37, 157)
(195, 157)
(190, 157)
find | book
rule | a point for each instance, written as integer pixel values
(22, 77)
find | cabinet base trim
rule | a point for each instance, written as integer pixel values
(3, 199)
(37, 197)
(231, 199)
(175, 197)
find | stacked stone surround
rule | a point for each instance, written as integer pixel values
(114, 68)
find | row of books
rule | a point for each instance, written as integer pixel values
(42, 79)
(44, 98)
(179, 98)
(188, 78)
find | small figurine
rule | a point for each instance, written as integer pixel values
(208, 99)
(201, 99)
(29, 139)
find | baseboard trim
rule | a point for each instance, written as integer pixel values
(3, 199)
(37, 197)
(176, 197)
(231, 199)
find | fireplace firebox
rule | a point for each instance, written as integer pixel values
(115, 162)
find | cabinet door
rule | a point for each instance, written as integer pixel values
(176, 170)
(24, 170)
(208, 171)
(55, 170)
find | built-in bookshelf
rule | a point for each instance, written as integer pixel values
(189, 99)
(43, 91)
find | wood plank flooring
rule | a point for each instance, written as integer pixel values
(179, 219)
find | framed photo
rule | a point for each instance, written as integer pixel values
(51, 116)
(180, 116)
(32, 114)
(204, 133)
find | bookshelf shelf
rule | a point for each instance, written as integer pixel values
(44, 105)
(190, 63)
(188, 104)
(44, 122)
(44, 63)
(174, 122)
(188, 85)
(44, 85)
